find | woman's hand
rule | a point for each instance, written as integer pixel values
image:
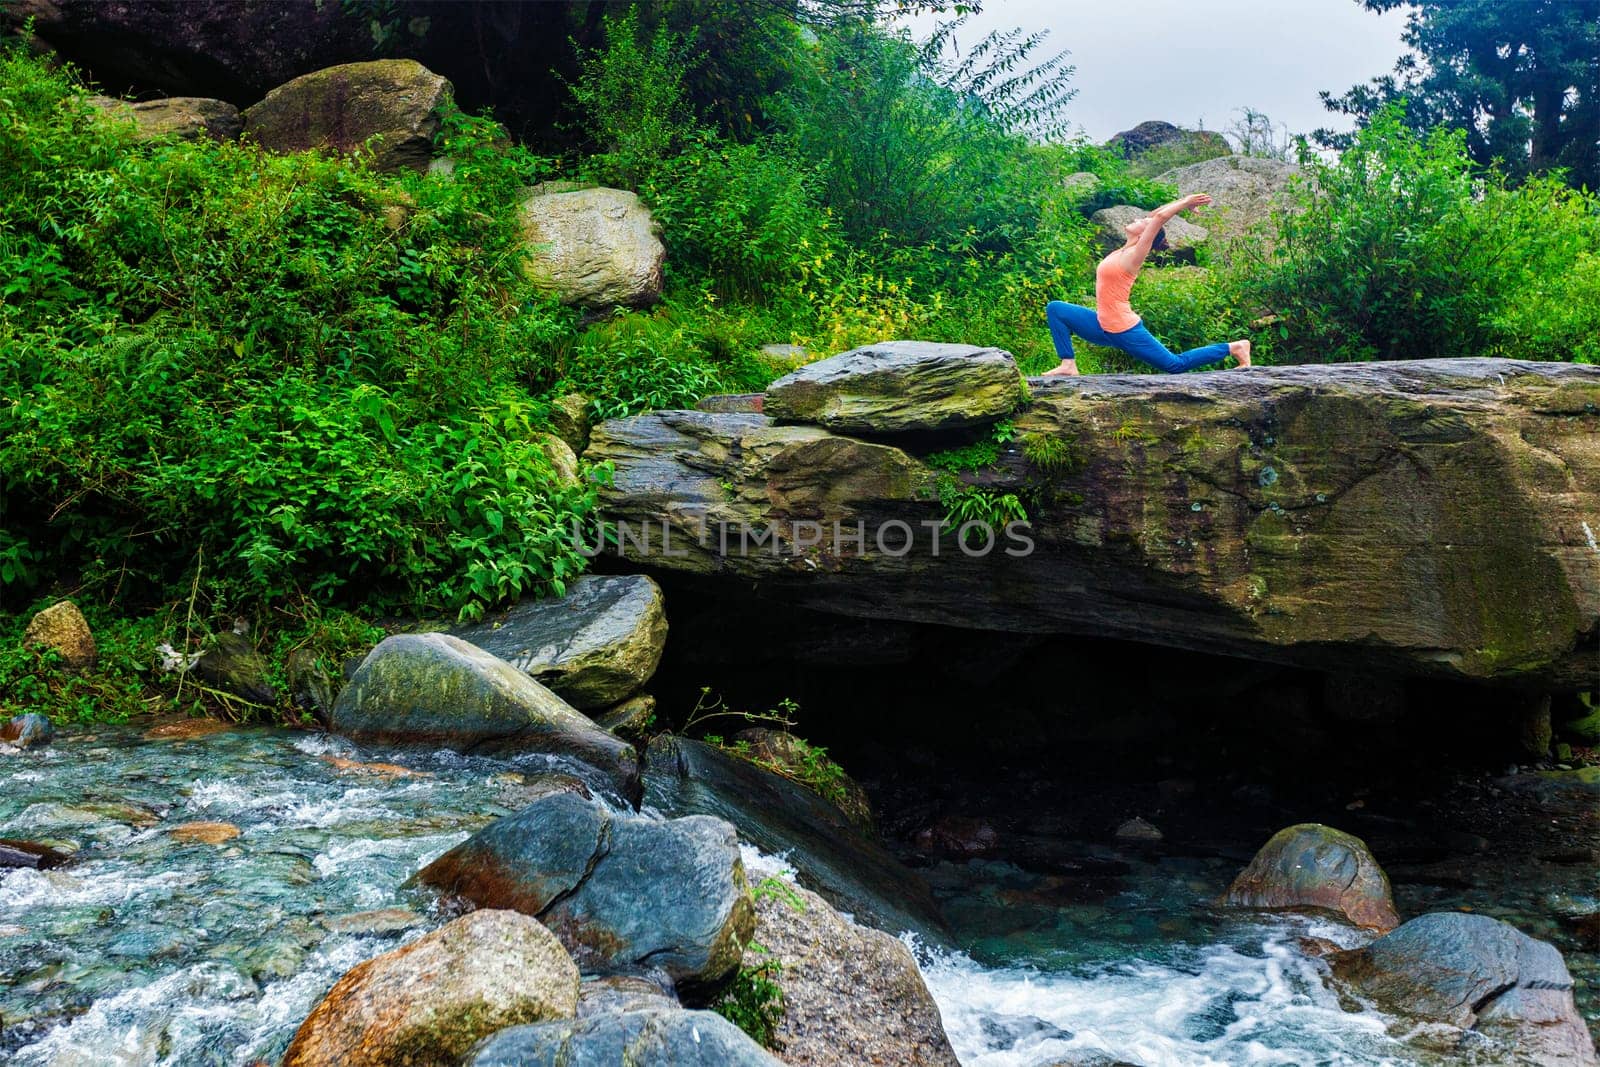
(1194, 200)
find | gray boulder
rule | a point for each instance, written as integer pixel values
(1245, 190)
(850, 995)
(828, 852)
(429, 1001)
(1316, 866)
(439, 690)
(393, 104)
(594, 647)
(620, 891)
(900, 386)
(1157, 135)
(1479, 974)
(1183, 237)
(186, 118)
(597, 248)
(650, 1038)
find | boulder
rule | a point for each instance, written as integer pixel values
(31, 854)
(438, 690)
(563, 460)
(185, 118)
(733, 403)
(797, 759)
(1183, 237)
(1080, 185)
(612, 993)
(621, 891)
(632, 718)
(428, 1002)
(829, 853)
(1155, 134)
(597, 645)
(395, 101)
(850, 995)
(1245, 191)
(900, 386)
(596, 248)
(28, 730)
(1412, 518)
(1584, 729)
(231, 665)
(62, 628)
(653, 1037)
(1316, 866)
(1475, 973)
(569, 420)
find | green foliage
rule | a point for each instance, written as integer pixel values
(119, 687)
(775, 888)
(1050, 454)
(989, 510)
(981, 453)
(1118, 183)
(753, 1000)
(630, 93)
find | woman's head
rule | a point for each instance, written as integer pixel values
(1136, 230)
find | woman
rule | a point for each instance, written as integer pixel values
(1113, 322)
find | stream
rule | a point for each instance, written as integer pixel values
(156, 947)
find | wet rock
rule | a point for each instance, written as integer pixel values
(798, 759)
(186, 729)
(31, 854)
(1183, 237)
(428, 1002)
(962, 836)
(899, 386)
(378, 921)
(1532, 714)
(186, 118)
(569, 420)
(1289, 530)
(619, 890)
(437, 689)
(343, 108)
(630, 719)
(597, 248)
(1477, 973)
(851, 995)
(381, 770)
(739, 403)
(28, 730)
(311, 690)
(62, 628)
(1316, 866)
(205, 833)
(828, 853)
(595, 646)
(232, 665)
(1136, 829)
(609, 994)
(665, 1038)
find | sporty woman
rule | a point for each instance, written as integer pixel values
(1113, 323)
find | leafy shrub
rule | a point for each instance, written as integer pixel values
(631, 95)
(753, 1000)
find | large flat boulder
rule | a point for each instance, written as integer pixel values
(1318, 867)
(389, 105)
(594, 647)
(621, 891)
(430, 1001)
(649, 1038)
(186, 118)
(850, 995)
(1410, 518)
(1245, 191)
(899, 386)
(596, 248)
(439, 690)
(1475, 973)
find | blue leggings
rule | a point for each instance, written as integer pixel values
(1066, 319)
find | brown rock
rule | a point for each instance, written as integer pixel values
(186, 729)
(205, 833)
(345, 107)
(187, 118)
(428, 1002)
(1316, 866)
(63, 628)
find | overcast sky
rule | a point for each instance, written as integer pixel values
(1188, 61)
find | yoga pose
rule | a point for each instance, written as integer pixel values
(1113, 323)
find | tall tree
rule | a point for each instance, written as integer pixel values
(1522, 77)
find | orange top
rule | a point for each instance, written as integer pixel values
(1113, 285)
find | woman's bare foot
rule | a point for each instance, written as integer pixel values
(1240, 350)
(1069, 367)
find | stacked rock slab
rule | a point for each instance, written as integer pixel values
(1409, 518)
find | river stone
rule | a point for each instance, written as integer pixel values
(28, 730)
(850, 995)
(63, 628)
(631, 718)
(439, 690)
(1410, 518)
(651, 1038)
(1478, 973)
(186, 118)
(829, 853)
(597, 645)
(597, 248)
(1316, 866)
(619, 890)
(427, 1002)
(900, 386)
(396, 101)
(1183, 237)
(232, 665)
(612, 993)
